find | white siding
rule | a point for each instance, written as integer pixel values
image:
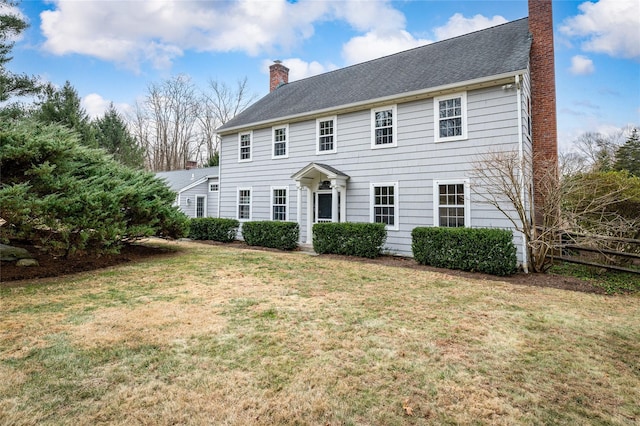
(414, 163)
(211, 200)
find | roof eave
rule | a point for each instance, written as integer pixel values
(477, 83)
(197, 182)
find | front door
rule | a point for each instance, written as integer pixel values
(323, 207)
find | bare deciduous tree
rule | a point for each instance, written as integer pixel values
(504, 180)
(220, 104)
(597, 151)
(567, 202)
(165, 123)
(176, 123)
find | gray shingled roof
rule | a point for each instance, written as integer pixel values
(178, 179)
(493, 51)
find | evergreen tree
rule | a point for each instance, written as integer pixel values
(113, 136)
(214, 160)
(62, 106)
(65, 197)
(628, 155)
(11, 26)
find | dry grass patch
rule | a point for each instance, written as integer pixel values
(228, 336)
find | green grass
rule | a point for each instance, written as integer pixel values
(218, 335)
(611, 281)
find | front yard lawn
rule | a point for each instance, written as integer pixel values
(219, 335)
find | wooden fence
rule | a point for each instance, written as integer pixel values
(599, 251)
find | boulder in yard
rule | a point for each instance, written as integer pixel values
(11, 253)
(27, 262)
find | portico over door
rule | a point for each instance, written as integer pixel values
(326, 196)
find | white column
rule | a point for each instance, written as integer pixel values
(343, 203)
(334, 202)
(309, 215)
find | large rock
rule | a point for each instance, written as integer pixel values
(13, 253)
(27, 262)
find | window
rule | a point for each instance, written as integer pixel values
(384, 204)
(383, 125)
(213, 187)
(451, 201)
(244, 203)
(280, 138)
(200, 206)
(326, 135)
(279, 203)
(244, 146)
(450, 117)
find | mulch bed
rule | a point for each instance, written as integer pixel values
(54, 266)
(50, 266)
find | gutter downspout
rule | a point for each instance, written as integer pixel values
(219, 174)
(525, 260)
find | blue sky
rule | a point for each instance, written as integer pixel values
(112, 50)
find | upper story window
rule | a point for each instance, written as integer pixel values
(280, 142)
(450, 117)
(383, 127)
(384, 204)
(244, 203)
(213, 187)
(451, 203)
(326, 135)
(244, 146)
(279, 203)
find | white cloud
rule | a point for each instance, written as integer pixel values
(96, 105)
(366, 16)
(607, 26)
(459, 25)
(157, 32)
(392, 37)
(581, 65)
(384, 28)
(375, 45)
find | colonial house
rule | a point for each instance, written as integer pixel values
(196, 190)
(394, 139)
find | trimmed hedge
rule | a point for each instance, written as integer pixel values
(479, 250)
(274, 234)
(348, 238)
(215, 229)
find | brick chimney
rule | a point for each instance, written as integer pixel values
(278, 74)
(543, 91)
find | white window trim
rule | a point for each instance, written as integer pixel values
(286, 212)
(467, 199)
(394, 126)
(335, 135)
(436, 117)
(273, 142)
(217, 186)
(246, 160)
(204, 206)
(244, 188)
(396, 204)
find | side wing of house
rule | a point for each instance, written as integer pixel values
(200, 199)
(404, 162)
